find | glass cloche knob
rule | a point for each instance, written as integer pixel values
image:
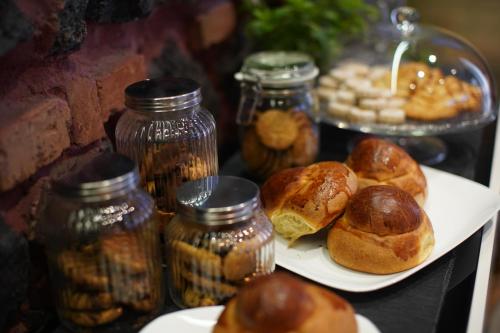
(405, 19)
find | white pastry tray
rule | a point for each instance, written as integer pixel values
(457, 207)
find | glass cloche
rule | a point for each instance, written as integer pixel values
(415, 80)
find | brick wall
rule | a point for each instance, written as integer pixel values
(63, 67)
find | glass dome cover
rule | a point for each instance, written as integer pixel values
(416, 80)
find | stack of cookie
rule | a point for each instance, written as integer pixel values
(204, 277)
(368, 94)
(102, 282)
(279, 139)
(165, 169)
(351, 94)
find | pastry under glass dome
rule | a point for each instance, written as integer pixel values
(416, 80)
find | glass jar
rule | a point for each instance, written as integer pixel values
(219, 240)
(170, 136)
(100, 235)
(277, 114)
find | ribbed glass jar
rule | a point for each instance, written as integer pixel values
(169, 135)
(100, 234)
(219, 240)
(277, 114)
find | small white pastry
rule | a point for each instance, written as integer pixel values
(373, 103)
(326, 94)
(396, 102)
(356, 68)
(346, 97)
(355, 83)
(340, 75)
(391, 116)
(339, 110)
(373, 92)
(328, 82)
(362, 116)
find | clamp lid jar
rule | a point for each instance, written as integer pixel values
(277, 114)
(278, 69)
(219, 240)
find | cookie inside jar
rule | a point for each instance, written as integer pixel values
(164, 168)
(277, 113)
(100, 233)
(109, 280)
(279, 139)
(214, 245)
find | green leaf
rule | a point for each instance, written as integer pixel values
(311, 26)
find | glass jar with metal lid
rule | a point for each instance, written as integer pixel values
(100, 234)
(169, 135)
(277, 114)
(219, 240)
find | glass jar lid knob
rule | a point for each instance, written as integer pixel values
(405, 19)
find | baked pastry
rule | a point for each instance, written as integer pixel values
(282, 303)
(303, 200)
(431, 102)
(382, 231)
(376, 161)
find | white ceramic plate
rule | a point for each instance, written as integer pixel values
(202, 320)
(457, 207)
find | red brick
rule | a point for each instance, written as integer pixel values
(216, 24)
(71, 160)
(68, 79)
(33, 133)
(23, 217)
(112, 75)
(86, 119)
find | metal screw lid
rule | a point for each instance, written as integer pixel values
(105, 177)
(165, 94)
(217, 200)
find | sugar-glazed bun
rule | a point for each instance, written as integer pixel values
(382, 231)
(380, 162)
(280, 303)
(301, 201)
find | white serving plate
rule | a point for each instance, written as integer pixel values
(457, 207)
(202, 320)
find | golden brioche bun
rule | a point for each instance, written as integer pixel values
(379, 162)
(301, 201)
(280, 303)
(382, 231)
